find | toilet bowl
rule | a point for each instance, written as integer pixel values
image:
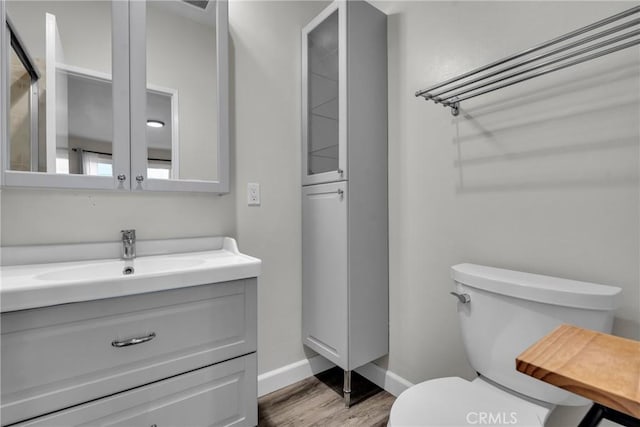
(503, 312)
(457, 402)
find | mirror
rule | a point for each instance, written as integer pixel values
(181, 64)
(61, 93)
(65, 48)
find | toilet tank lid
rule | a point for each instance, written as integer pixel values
(536, 287)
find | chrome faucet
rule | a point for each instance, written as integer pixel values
(128, 244)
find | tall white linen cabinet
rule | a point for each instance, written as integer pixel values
(345, 273)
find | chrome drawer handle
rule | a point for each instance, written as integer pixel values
(463, 298)
(133, 341)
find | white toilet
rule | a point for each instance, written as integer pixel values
(502, 313)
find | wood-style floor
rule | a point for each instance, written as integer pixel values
(317, 401)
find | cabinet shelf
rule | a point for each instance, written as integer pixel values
(333, 98)
(327, 53)
(324, 157)
(312, 152)
(316, 74)
(324, 117)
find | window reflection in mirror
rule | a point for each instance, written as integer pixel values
(181, 69)
(62, 127)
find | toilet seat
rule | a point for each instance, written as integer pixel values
(457, 402)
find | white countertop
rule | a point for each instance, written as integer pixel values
(43, 284)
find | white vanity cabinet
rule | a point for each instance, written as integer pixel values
(344, 185)
(174, 357)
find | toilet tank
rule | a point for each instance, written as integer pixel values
(508, 311)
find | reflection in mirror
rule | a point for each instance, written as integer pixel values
(61, 52)
(181, 65)
(161, 124)
(23, 101)
(88, 150)
(90, 115)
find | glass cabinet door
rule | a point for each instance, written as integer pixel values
(323, 132)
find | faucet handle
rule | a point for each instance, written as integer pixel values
(128, 234)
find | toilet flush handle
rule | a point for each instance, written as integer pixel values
(463, 298)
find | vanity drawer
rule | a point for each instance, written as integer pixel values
(60, 356)
(222, 394)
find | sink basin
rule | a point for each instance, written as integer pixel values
(116, 268)
(62, 274)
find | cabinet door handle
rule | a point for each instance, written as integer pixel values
(133, 341)
(339, 192)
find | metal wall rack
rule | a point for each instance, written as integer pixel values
(505, 72)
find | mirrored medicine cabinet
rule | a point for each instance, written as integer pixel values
(124, 95)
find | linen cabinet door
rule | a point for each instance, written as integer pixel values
(324, 92)
(324, 270)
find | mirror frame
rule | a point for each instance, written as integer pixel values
(129, 101)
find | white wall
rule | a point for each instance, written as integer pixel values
(65, 216)
(266, 38)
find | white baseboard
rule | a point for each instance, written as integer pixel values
(290, 374)
(297, 371)
(387, 380)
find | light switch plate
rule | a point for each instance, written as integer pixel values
(253, 194)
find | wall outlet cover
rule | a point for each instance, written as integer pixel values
(253, 194)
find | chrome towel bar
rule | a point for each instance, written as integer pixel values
(450, 95)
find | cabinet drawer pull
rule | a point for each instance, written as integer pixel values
(134, 341)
